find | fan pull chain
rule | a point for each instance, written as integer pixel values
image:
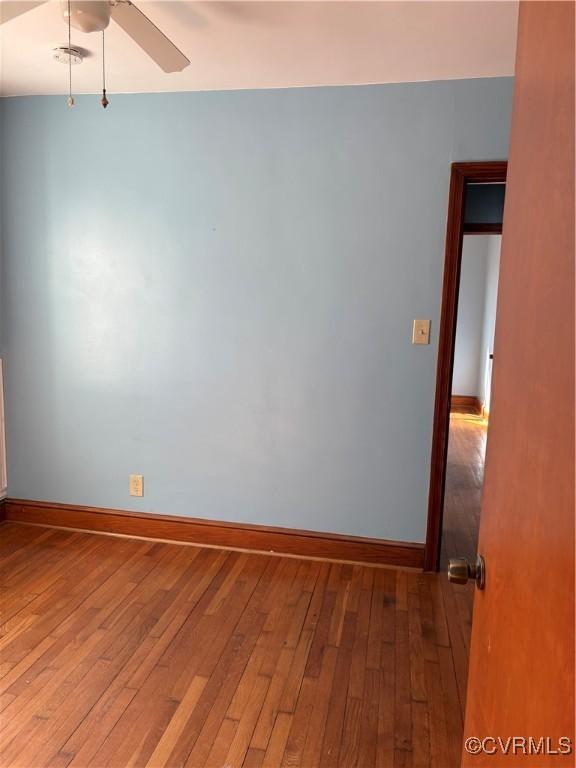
(70, 97)
(104, 100)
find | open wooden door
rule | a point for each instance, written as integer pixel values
(521, 679)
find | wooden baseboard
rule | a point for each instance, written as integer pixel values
(466, 404)
(288, 541)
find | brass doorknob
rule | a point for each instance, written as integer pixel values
(460, 571)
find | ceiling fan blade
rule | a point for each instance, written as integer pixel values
(9, 9)
(149, 37)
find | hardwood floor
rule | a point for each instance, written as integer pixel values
(122, 652)
(464, 481)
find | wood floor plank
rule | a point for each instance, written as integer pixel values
(313, 744)
(221, 745)
(360, 647)
(79, 751)
(177, 724)
(271, 706)
(402, 704)
(417, 658)
(373, 650)
(440, 749)
(254, 759)
(278, 739)
(291, 690)
(338, 696)
(322, 629)
(367, 751)
(196, 743)
(213, 705)
(350, 741)
(386, 709)
(420, 735)
(299, 724)
(241, 741)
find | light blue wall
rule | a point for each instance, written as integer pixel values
(2, 259)
(466, 378)
(476, 316)
(217, 289)
(489, 318)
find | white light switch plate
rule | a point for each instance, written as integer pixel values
(421, 332)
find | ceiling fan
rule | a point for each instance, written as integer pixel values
(94, 16)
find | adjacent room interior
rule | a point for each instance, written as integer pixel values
(473, 360)
(253, 270)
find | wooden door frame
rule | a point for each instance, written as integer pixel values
(461, 174)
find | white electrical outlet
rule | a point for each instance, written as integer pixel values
(136, 485)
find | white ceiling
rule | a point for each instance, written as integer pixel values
(240, 44)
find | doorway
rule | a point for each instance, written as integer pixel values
(475, 210)
(470, 396)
